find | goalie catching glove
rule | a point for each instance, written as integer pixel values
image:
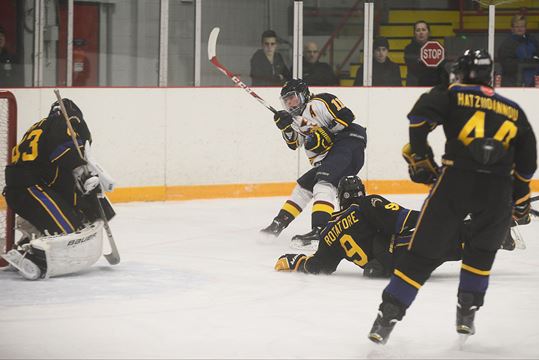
(291, 262)
(421, 168)
(319, 140)
(92, 176)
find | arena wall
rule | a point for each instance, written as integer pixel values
(188, 143)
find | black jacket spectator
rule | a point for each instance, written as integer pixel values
(319, 74)
(384, 71)
(383, 74)
(316, 73)
(266, 72)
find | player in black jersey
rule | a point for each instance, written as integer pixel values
(490, 157)
(370, 231)
(40, 183)
(335, 146)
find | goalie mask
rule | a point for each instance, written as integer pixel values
(71, 108)
(474, 67)
(294, 96)
(350, 189)
(76, 117)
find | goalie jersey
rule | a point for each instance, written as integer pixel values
(46, 155)
(41, 186)
(324, 110)
(371, 228)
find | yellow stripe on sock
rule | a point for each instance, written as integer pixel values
(475, 270)
(406, 279)
(323, 208)
(291, 209)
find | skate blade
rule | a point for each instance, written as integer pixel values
(300, 245)
(518, 239)
(462, 340)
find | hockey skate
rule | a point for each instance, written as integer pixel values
(466, 314)
(387, 317)
(307, 241)
(508, 243)
(25, 266)
(275, 228)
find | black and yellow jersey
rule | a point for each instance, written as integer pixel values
(361, 232)
(46, 152)
(485, 132)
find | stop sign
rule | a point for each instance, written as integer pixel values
(432, 53)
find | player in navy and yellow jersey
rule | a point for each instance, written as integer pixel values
(335, 146)
(40, 184)
(490, 158)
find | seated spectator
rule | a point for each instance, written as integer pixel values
(8, 68)
(418, 73)
(519, 55)
(267, 65)
(384, 71)
(316, 73)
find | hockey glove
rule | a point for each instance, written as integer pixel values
(374, 269)
(521, 212)
(421, 168)
(291, 262)
(86, 182)
(283, 120)
(319, 140)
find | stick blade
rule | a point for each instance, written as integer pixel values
(112, 258)
(212, 43)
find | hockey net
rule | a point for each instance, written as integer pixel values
(8, 138)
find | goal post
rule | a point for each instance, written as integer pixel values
(8, 139)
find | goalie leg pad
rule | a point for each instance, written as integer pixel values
(66, 254)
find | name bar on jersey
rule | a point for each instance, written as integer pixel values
(482, 102)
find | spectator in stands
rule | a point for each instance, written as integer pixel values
(8, 68)
(519, 55)
(268, 67)
(384, 71)
(418, 73)
(316, 73)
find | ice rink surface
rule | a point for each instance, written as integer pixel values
(197, 281)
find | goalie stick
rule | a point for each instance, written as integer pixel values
(114, 257)
(212, 56)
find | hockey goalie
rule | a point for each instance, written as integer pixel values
(57, 191)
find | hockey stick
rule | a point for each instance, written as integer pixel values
(114, 257)
(212, 56)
